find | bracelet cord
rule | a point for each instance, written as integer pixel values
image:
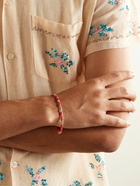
(61, 114)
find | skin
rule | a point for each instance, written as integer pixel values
(96, 112)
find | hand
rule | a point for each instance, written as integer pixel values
(87, 104)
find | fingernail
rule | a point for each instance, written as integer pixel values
(128, 123)
(132, 74)
(133, 106)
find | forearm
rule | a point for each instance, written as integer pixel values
(20, 116)
(82, 106)
(46, 140)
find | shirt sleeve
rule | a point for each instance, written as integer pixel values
(115, 24)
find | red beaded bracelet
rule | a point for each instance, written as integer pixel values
(61, 114)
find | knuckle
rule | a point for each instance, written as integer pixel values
(133, 109)
(90, 81)
(134, 97)
(123, 105)
(99, 93)
(124, 90)
(98, 105)
(93, 83)
(98, 80)
(115, 75)
(118, 122)
(99, 117)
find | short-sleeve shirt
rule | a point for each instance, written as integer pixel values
(43, 47)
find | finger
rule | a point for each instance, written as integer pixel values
(115, 77)
(120, 106)
(113, 121)
(120, 92)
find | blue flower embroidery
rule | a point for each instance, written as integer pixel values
(36, 176)
(100, 166)
(77, 183)
(97, 157)
(122, 3)
(103, 162)
(91, 165)
(44, 182)
(89, 184)
(113, 2)
(1, 174)
(100, 175)
(101, 30)
(60, 60)
(133, 27)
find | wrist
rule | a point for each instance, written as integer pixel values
(42, 111)
(51, 115)
(54, 115)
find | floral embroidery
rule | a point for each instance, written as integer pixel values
(97, 157)
(77, 183)
(100, 166)
(89, 184)
(36, 176)
(1, 174)
(100, 175)
(91, 165)
(44, 182)
(113, 37)
(60, 60)
(121, 3)
(133, 27)
(100, 30)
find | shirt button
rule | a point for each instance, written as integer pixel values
(11, 56)
(14, 164)
(8, 2)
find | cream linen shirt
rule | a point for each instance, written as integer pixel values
(43, 45)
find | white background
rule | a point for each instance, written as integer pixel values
(123, 166)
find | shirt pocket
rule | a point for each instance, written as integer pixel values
(55, 53)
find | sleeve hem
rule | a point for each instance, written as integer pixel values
(131, 41)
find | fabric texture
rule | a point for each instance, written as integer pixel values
(43, 46)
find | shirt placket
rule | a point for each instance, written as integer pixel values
(3, 89)
(9, 61)
(15, 167)
(9, 51)
(17, 55)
